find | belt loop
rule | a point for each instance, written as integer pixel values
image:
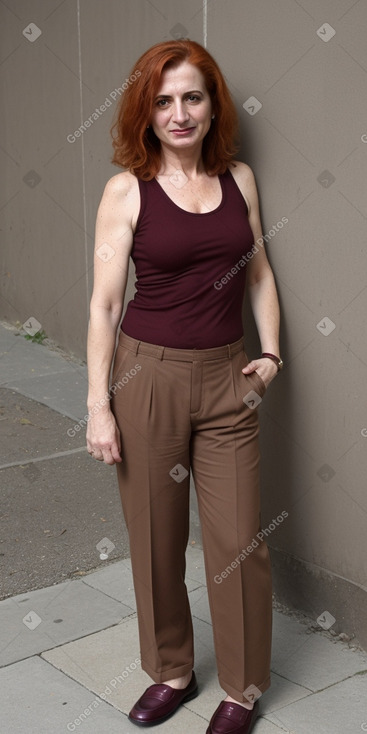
(229, 351)
(137, 347)
(161, 356)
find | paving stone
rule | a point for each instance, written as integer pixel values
(23, 359)
(65, 391)
(43, 619)
(38, 699)
(195, 569)
(43, 374)
(108, 662)
(339, 709)
(311, 660)
(199, 603)
(116, 581)
(281, 693)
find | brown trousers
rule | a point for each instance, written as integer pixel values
(182, 409)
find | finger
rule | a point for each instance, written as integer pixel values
(116, 448)
(250, 367)
(107, 457)
(95, 452)
(116, 452)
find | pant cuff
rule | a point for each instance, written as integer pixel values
(238, 695)
(164, 675)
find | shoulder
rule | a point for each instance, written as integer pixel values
(122, 184)
(242, 173)
(121, 198)
(245, 180)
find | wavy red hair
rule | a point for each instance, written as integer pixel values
(138, 148)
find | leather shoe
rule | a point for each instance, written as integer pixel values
(232, 718)
(160, 701)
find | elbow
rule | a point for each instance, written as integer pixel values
(261, 274)
(110, 310)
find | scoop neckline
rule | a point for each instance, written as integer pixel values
(196, 214)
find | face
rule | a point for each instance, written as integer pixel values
(182, 108)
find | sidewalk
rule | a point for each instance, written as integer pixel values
(69, 652)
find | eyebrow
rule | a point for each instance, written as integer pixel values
(167, 96)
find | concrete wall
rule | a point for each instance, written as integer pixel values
(305, 135)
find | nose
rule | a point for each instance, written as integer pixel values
(180, 113)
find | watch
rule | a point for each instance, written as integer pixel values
(278, 360)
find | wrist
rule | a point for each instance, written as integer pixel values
(100, 402)
(275, 358)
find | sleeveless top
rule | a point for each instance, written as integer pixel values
(190, 270)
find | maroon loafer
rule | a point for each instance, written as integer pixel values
(160, 701)
(231, 718)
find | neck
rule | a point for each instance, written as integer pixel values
(188, 161)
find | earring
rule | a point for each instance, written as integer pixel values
(148, 126)
(213, 116)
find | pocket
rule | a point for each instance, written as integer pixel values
(254, 379)
(121, 356)
(260, 382)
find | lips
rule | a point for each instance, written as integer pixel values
(184, 130)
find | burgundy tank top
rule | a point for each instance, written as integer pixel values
(189, 279)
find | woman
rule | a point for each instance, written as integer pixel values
(184, 395)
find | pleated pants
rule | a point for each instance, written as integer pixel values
(181, 410)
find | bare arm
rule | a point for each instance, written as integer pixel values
(114, 237)
(261, 285)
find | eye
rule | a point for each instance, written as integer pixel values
(194, 97)
(161, 102)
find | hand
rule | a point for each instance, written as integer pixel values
(103, 438)
(264, 366)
